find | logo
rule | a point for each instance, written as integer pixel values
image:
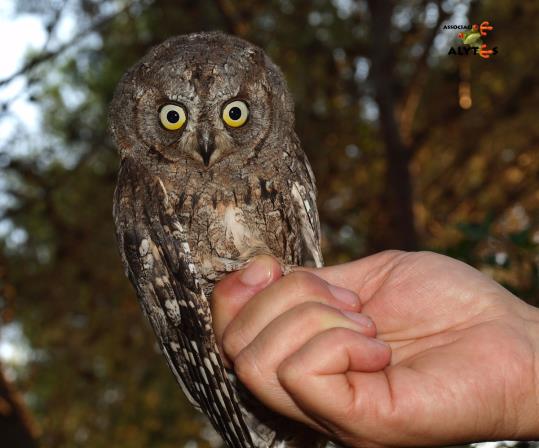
(473, 40)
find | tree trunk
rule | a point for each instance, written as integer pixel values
(398, 184)
(16, 430)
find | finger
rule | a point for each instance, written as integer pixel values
(332, 361)
(276, 299)
(363, 276)
(235, 290)
(256, 365)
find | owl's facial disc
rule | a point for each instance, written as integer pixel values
(205, 114)
(206, 100)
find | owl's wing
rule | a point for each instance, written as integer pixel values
(157, 259)
(303, 192)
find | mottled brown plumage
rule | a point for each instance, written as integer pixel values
(199, 201)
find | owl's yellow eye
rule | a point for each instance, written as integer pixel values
(172, 117)
(235, 113)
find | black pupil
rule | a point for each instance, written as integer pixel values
(173, 116)
(235, 113)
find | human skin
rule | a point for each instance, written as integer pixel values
(395, 349)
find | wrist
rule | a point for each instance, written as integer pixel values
(530, 427)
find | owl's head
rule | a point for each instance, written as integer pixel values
(204, 97)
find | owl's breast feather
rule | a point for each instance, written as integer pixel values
(230, 220)
(238, 233)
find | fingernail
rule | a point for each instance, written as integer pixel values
(344, 295)
(257, 273)
(361, 319)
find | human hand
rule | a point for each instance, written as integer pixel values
(461, 364)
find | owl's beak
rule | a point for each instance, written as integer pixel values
(206, 146)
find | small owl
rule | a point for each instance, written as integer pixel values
(212, 174)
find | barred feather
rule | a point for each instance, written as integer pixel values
(182, 224)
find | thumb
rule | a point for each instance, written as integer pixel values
(235, 290)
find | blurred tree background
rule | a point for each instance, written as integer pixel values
(412, 149)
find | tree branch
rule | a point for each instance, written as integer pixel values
(16, 425)
(48, 55)
(51, 26)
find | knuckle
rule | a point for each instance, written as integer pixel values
(299, 280)
(289, 374)
(303, 283)
(310, 313)
(242, 366)
(247, 367)
(233, 341)
(340, 334)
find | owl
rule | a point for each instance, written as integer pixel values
(211, 175)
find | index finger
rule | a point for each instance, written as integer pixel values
(363, 276)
